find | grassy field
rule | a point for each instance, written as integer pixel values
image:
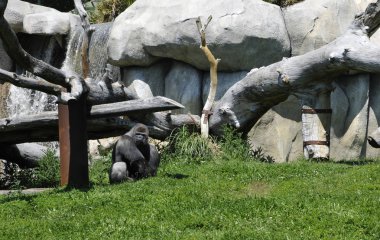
(226, 197)
(215, 200)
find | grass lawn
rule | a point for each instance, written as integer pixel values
(219, 199)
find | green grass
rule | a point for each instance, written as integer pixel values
(214, 200)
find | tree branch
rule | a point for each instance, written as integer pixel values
(213, 76)
(247, 100)
(30, 83)
(369, 19)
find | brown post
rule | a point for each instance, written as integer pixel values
(73, 143)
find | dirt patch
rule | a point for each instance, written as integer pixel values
(259, 188)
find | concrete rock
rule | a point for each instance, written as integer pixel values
(153, 75)
(225, 81)
(49, 23)
(278, 132)
(312, 24)
(244, 35)
(35, 19)
(16, 11)
(183, 84)
(349, 103)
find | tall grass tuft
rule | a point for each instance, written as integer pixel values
(189, 147)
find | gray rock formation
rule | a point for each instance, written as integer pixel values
(244, 34)
(183, 84)
(225, 81)
(48, 23)
(279, 133)
(31, 18)
(312, 24)
(349, 103)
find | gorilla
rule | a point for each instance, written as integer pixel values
(133, 157)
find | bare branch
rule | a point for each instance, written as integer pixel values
(213, 76)
(369, 19)
(30, 83)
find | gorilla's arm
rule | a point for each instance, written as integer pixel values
(154, 160)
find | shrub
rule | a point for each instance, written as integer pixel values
(234, 146)
(108, 10)
(283, 3)
(45, 175)
(189, 147)
(99, 169)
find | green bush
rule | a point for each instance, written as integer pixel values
(189, 147)
(45, 175)
(283, 3)
(108, 10)
(99, 170)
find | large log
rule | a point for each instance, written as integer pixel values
(44, 126)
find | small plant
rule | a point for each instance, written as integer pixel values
(260, 156)
(99, 169)
(45, 175)
(108, 10)
(234, 146)
(283, 3)
(190, 147)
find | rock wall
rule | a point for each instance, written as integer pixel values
(163, 51)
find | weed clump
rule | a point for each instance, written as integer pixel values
(189, 147)
(45, 175)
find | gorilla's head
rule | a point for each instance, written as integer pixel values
(140, 135)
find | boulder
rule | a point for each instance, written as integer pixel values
(35, 19)
(178, 81)
(244, 35)
(279, 133)
(349, 121)
(225, 81)
(47, 23)
(153, 75)
(183, 84)
(312, 24)
(16, 11)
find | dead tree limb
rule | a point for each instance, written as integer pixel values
(206, 112)
(30, 83)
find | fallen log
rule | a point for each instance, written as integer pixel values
(44, 126)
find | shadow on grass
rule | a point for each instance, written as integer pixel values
(359, 162)
(350, 162)
(176, 175)
(17, 196)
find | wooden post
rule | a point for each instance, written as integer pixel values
(73, 143)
